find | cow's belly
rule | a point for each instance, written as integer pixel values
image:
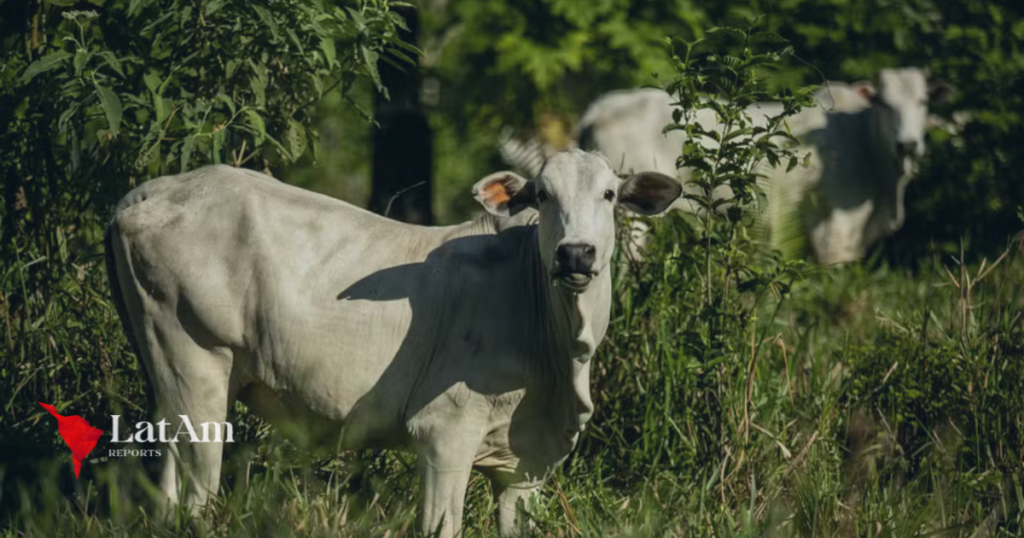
(323, 356)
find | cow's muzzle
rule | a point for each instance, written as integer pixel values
(576, 282)
(574, 265)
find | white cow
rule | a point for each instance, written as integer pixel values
(469, 345)
(859, 195)
(862, 159)
(626, 126)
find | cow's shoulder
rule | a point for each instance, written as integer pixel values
(487, 253)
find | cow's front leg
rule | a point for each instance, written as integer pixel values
(443, 481)
(509, 509)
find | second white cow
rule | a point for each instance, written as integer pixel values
(861, 160)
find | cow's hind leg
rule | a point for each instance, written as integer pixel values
(190, 381)
(190, 374)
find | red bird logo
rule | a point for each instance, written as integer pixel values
(80, 437)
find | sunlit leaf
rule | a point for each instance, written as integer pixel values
(256, 122)
(111, 105)
(371, 57)
(81, 58)
(44, 64)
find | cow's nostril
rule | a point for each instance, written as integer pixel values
(576, 258)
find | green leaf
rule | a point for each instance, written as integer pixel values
(135, 5)
(327, 46)
(793, 161)
(186, 151)
(258, 86)
(44, 64)
(152, 81)
(218, 144)
(726, 34)
(66, 116)
(113, 62)
(256, 121)
(160, 107)
(767, 38)
(371, 57)
(227, 101)
(738, 132)
(213, 6)
(295, 39)
(267, 20)
(258, 83)
(111, 107)
(148, 156)
(318, 84)
(295, 139)
(81, 58)
(357, 18)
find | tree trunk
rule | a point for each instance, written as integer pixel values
(402, 144)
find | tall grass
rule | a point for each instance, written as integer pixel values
(870, 409)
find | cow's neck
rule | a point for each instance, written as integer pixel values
(568, 328)
(888, 175)
(884, 169)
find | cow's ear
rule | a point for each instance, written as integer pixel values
(864, 89)
(649, 193)
(940, 92)
(504, 193)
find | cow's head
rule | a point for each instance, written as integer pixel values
(900, 106)
(575, 195)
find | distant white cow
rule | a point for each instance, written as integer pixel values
(626, 126)
(858, 197)
(469, 345)
(862, 160)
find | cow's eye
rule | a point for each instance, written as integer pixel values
(542, 196)
(609, 195)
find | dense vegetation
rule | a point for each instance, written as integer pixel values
(736, 394)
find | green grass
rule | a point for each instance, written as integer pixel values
(866, 402)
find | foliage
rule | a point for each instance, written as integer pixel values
(93, 102)
(506, 62)
(729, 153)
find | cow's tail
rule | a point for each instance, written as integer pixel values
(115, 289)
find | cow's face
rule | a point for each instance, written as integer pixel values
(900, 106)
(575, 195)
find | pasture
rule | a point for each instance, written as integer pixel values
(738, 391)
